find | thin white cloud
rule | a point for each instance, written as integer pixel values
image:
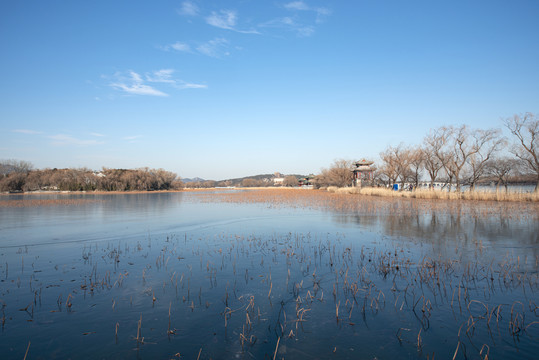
(134, 85)
(321, 12)
(165, 76)
(177, 46)
(227, 19)
(214, 48)
(97, 134)
(188, 8)
(62, 139)
(298, 23)
(302, 6)
(161, 76)
(217, 47)
(186, 85)
(305, 31)
(296, 5)
(290, 24)
(27, 131)
(224, 19)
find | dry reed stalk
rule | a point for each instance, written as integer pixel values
(276, 348)
(481, 351)
(530, 324)
(26, 353)
(456, 350)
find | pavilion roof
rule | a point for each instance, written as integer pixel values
(364, 162)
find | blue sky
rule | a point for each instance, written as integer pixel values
(222, 89)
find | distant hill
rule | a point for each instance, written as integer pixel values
(266, 178)
(263, 179)
(195, 179)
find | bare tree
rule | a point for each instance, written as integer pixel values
(389, 170)
(416, 159)
(484, 143)
(470, 148)
(290, 180)
(396, 163)
(433, 156)
(14, 166)
(209, 184)
(525, 129)
(339, 174)
(457, 153)
(251, 183)
(502, 169)
(13, 182)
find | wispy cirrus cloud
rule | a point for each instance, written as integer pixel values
(187, 85)
(299, 24)
(132, 138)
(227, 19)
(303, 6)
(224, 19)
(165, 76)
(290, 24)
(161, 76)
(296, 5)
(177, 46)
(299, 21)
(215, 48)
(63, 139)
(136, 84)
(188, 8)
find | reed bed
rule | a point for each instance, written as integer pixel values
(477, 195)
(280, 296)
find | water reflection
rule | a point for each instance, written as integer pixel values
(106, 216)
(448, 230)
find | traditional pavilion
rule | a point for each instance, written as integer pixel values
(363, 172)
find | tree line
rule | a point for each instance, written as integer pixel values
(455, 156)
(16, 176)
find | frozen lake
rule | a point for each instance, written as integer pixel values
(261, 275)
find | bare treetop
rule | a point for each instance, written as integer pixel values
(525, 129)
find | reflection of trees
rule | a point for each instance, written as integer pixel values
(141, 203)
(446, 229)
(119, 204)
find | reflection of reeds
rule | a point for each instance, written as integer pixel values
(47, 202)
(395, 203)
